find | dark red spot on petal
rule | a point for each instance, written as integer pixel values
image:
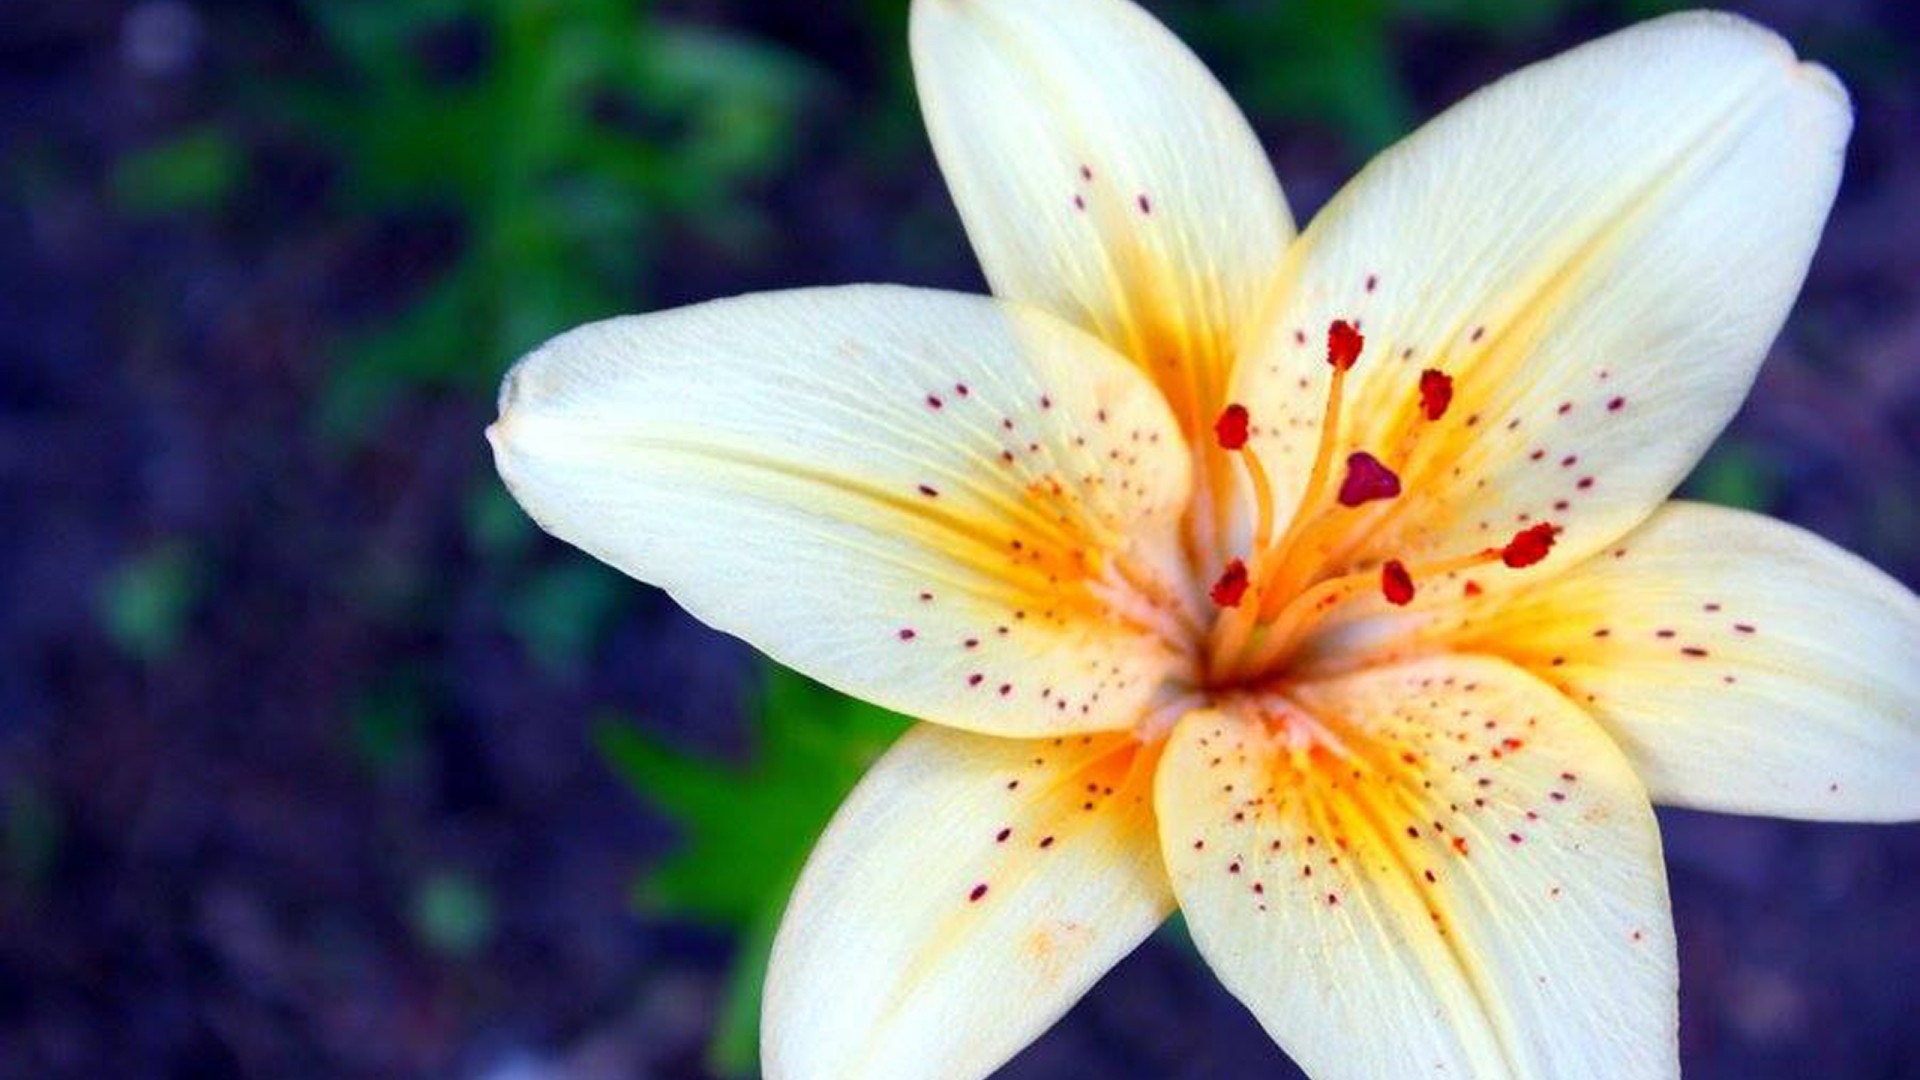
(1367, 480)
(979, 891)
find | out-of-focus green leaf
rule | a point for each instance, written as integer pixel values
(389, 725)
(559, 613)
(569, 130)
(496, 526)
(1500, 19)
(1734, 474)
(747, 828)
(144, 604)
(1326, 61)
(452, 914)
(33, 834)
(196, 170)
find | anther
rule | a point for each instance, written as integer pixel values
(1232, 585)
(1395, 583)
(1529, 545)
(1231, 427)
(1344, 343)
(1436, 393)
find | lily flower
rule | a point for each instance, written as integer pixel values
(1322, 586)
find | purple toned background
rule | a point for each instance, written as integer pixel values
(297, 767)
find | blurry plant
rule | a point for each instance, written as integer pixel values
(558, 612)
(1333, 62)
(452, 914)
(33, 831)
(1735, 473)
(557, 136)
(192, 171)
(145, 602)
(747, 828)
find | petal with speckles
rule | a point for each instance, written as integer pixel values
(968, 893)
(1104, 175)
(1595, 251)
(1439, 869)
(932, 501)
(1743, 664)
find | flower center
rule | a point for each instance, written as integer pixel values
(1269, 599)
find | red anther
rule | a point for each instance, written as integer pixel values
(1436, 393)
(1231, 428)
(1343, 344)
(1395, 583)
(1232, 585)
(1529, 545)
(1367, 480)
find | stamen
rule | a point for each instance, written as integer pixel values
(1395, 583)
(1436, 393)
(1367, 480)
(1343, 351)
(1529, 545)
(1231, 430)
(1232, 585)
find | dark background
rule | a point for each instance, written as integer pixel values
(316, 760)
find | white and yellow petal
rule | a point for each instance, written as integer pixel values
(1436, 870)
(967, 894)
(928, 500)
(1597, 250)
(1104, 175)
(1743, 664)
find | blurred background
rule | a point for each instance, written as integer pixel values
(318, 760)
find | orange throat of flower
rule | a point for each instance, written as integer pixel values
(1270, 598)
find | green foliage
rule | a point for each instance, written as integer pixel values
(192, 171)
(389, 727)
(747, 828)
(559, 137)
(453, 914)
(144, 604)
(33, 832)
(1326, 61)
(559, 612)
(1735, 474)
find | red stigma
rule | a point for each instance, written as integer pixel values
(1231, 428)
(1528, 546)
(1343, 344)
(1367, 480)
(1436, 393)
(1232, 585)
(1395, 583)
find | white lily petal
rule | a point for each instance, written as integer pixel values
(1104, 175)
(1597, 250)
(968, 893)
(923, 499)
(1742, 664)
(1436, 870)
